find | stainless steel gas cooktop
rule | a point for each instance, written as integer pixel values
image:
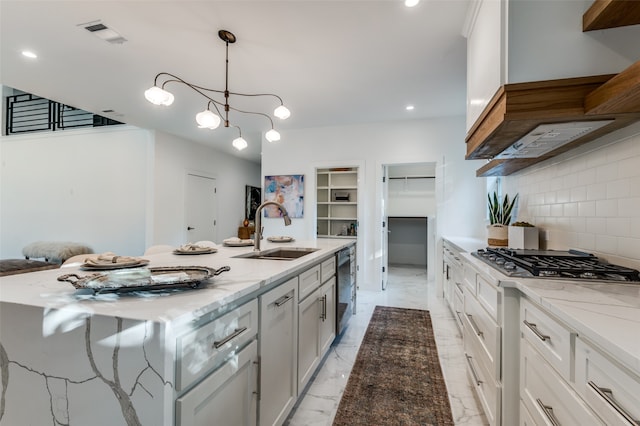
(558, 264)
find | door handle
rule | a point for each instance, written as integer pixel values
(189, 228)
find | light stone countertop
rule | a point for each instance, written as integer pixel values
(41, 289)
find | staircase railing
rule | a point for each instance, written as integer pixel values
(29, 113)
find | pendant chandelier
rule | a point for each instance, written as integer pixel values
(212, 116)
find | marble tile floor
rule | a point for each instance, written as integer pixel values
(407, 287)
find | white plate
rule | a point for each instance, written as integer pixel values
(108, 266)
(196, 250)
(240, 243)
(280, 239)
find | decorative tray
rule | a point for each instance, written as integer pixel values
(143, 279)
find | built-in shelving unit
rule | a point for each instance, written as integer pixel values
(337, 202)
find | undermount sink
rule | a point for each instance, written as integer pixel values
(289, 253)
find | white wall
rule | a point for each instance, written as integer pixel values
(174, 157)
(370, 147)
(546, 41)
(588, 198)
(116, 189)
(89, 186)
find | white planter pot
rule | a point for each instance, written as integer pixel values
(498, 235)
(523, 237)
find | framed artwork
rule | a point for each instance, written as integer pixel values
(252, 201)
(287, 190)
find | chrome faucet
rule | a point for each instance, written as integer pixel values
(258, 236)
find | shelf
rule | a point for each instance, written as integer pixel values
(605, 14)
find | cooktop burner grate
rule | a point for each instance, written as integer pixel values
(570, 264)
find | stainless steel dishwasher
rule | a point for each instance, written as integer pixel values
(346, 298)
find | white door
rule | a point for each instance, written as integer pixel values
(385, 226)
(200, 209)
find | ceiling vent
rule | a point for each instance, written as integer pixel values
(547, 137)
(103, 32)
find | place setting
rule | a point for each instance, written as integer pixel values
(237, 242)
(108, 261)
(280, 239)
(193, 249)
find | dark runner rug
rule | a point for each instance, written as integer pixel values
(396, 379)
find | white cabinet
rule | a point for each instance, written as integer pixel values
(337, 202)
(226, 346)
(548, 398)
(612, 391)
(278, 352)
(316, 328)
(482, 338)
(205, 348)
(452, 276)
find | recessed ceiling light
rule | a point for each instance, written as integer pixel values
(29, 54)
(411, 3)
(409, 107)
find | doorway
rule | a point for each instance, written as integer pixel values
(200, 208)
(409, 208)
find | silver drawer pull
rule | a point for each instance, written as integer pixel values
(236, 333)
(607, 395)
(323, 314)
(474, 326)
(548, 411)
(535, 330)
(284, 299)
(473, 371)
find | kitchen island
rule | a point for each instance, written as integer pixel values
(68, 357)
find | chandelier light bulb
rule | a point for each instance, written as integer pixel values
(207, 119)
(282, 112)
(272, 135)
(158, 96)
(239, 143)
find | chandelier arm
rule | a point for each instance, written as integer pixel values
(251, 112)
(258, 94)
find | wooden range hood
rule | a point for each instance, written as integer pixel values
(517, 109)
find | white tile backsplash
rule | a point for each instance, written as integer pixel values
(588, 198)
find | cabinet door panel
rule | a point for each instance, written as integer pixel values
(308, 339)
(226, 397)
(328, 316)
(278, 352)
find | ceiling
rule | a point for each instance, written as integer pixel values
(333, 62)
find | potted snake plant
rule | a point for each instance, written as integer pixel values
(499, 218)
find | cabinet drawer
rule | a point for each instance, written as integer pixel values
(481, 327)
(308, 281)
(486, 387)
(205, 348)
(226, 397)
(328, 269)
(547, 396)
(469, 278)
(489, 297)
(525, 417)
(548, 336)
(612, 392)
